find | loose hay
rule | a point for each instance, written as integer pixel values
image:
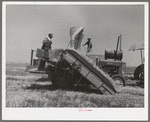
(55, 54)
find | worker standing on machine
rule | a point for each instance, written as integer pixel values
(89, 45)
(47, 42)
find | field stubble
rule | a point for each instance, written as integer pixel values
(33, 90)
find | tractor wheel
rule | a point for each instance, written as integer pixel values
(139, 73)
(119, 80)
(59, 81)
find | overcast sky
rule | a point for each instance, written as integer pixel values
(28, 25)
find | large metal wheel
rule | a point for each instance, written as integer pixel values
(119, 80)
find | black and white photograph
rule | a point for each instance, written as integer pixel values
(75, 60)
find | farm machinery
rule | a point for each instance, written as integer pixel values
(139, 74)
(73, 68)
(114, 67)
(111, 63)
(139, 71)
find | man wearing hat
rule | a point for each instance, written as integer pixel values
(47, 42)
(89, 45)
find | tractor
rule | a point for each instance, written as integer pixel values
(111, 63)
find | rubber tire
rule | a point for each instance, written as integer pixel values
(137, 72)
(121, 78)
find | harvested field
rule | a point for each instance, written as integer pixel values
(34, 90)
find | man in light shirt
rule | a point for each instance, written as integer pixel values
(89, 45)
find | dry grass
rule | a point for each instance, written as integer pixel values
(33, 90)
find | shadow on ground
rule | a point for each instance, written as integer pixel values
(84, 89)
(134, 83)
(41, 87)
(50, 87)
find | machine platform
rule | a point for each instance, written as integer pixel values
(33, 69)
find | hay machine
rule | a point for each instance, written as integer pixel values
(73, 69)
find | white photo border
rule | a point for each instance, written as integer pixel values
(73, 113)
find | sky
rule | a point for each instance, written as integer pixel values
(28, 25)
